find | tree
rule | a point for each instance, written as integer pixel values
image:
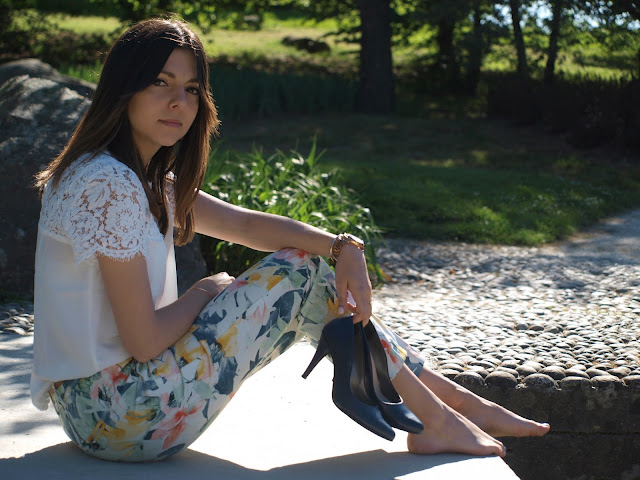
(376, 89)
(518, 38)
(476, 48)
(557, 9)
(376, 92)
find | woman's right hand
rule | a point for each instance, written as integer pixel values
(215, 283)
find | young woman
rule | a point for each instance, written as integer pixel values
(136, 373)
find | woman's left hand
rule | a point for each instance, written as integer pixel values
(352, 276)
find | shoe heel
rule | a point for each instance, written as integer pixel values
(391, 405)
(321, 352)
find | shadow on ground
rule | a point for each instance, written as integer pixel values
(65, 461)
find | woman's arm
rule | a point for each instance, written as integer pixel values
(257, 230)
(267, 232)
(146, 332)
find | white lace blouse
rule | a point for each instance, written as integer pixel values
(98, 207)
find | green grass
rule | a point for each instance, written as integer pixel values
(459, 179)
(86, 24)
(590, 60)
(90, 73)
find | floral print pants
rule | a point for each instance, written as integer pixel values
(137, 411)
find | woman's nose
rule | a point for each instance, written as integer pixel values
(178, 97)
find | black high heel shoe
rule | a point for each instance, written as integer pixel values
(393, 409)
(352, 376)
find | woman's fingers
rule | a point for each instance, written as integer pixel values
(341, 290)
(361, 305)
(353, 285)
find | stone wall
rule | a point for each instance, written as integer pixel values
(595, 431)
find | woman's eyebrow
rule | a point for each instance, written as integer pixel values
(172, 75)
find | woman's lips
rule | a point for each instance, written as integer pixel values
(171, 123)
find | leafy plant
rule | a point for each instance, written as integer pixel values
(288, 185)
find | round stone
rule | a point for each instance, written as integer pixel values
(522, 326)
(535, 365)
(511, 371)
(540, 381)
(596, 372)
(466, 358)
(606, 381)
(632, 381)
(449, 373)
(620, 372)
(501, 379)
(557, 373)
(573, 372)
(452, 366)
(579, 367)
(526, 370)
(574, 383)
(482, 363)
(472, 379)
(479, 370)
(511, 364)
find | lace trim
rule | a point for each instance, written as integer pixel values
(99, 206)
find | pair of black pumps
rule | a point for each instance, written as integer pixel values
(362, 388)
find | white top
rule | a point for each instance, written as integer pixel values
(98, 207)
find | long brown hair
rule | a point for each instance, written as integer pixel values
(132, 64)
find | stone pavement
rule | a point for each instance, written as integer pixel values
(278, 426)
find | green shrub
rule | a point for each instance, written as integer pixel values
(591, 111)
(288, 185)
(240, 91)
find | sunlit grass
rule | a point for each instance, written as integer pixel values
(86, 24)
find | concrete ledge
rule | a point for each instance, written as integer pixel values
(278, 426)
(595, 432)
(584, 410)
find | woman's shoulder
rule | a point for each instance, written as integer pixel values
(99, 166)
(90, 179)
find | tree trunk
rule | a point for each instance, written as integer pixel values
(444, 38)
(376, 93)
(476, 49)
(518, 38)
(552, 55)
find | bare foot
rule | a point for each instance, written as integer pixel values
(445, 430)
(490, 417)
(498, 421)
(453, 433)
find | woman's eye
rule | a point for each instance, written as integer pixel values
(159, 82)
(194, 90)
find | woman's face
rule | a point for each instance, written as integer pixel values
(162, 113)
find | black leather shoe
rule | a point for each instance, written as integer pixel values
(393, 409)
(352, 374)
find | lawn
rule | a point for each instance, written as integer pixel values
(466, 179)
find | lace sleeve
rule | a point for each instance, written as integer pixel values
(108, 216)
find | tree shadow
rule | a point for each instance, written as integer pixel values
(65, 461)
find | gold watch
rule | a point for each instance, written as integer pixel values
(342, 240)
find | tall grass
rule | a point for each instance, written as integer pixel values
(289, 185)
